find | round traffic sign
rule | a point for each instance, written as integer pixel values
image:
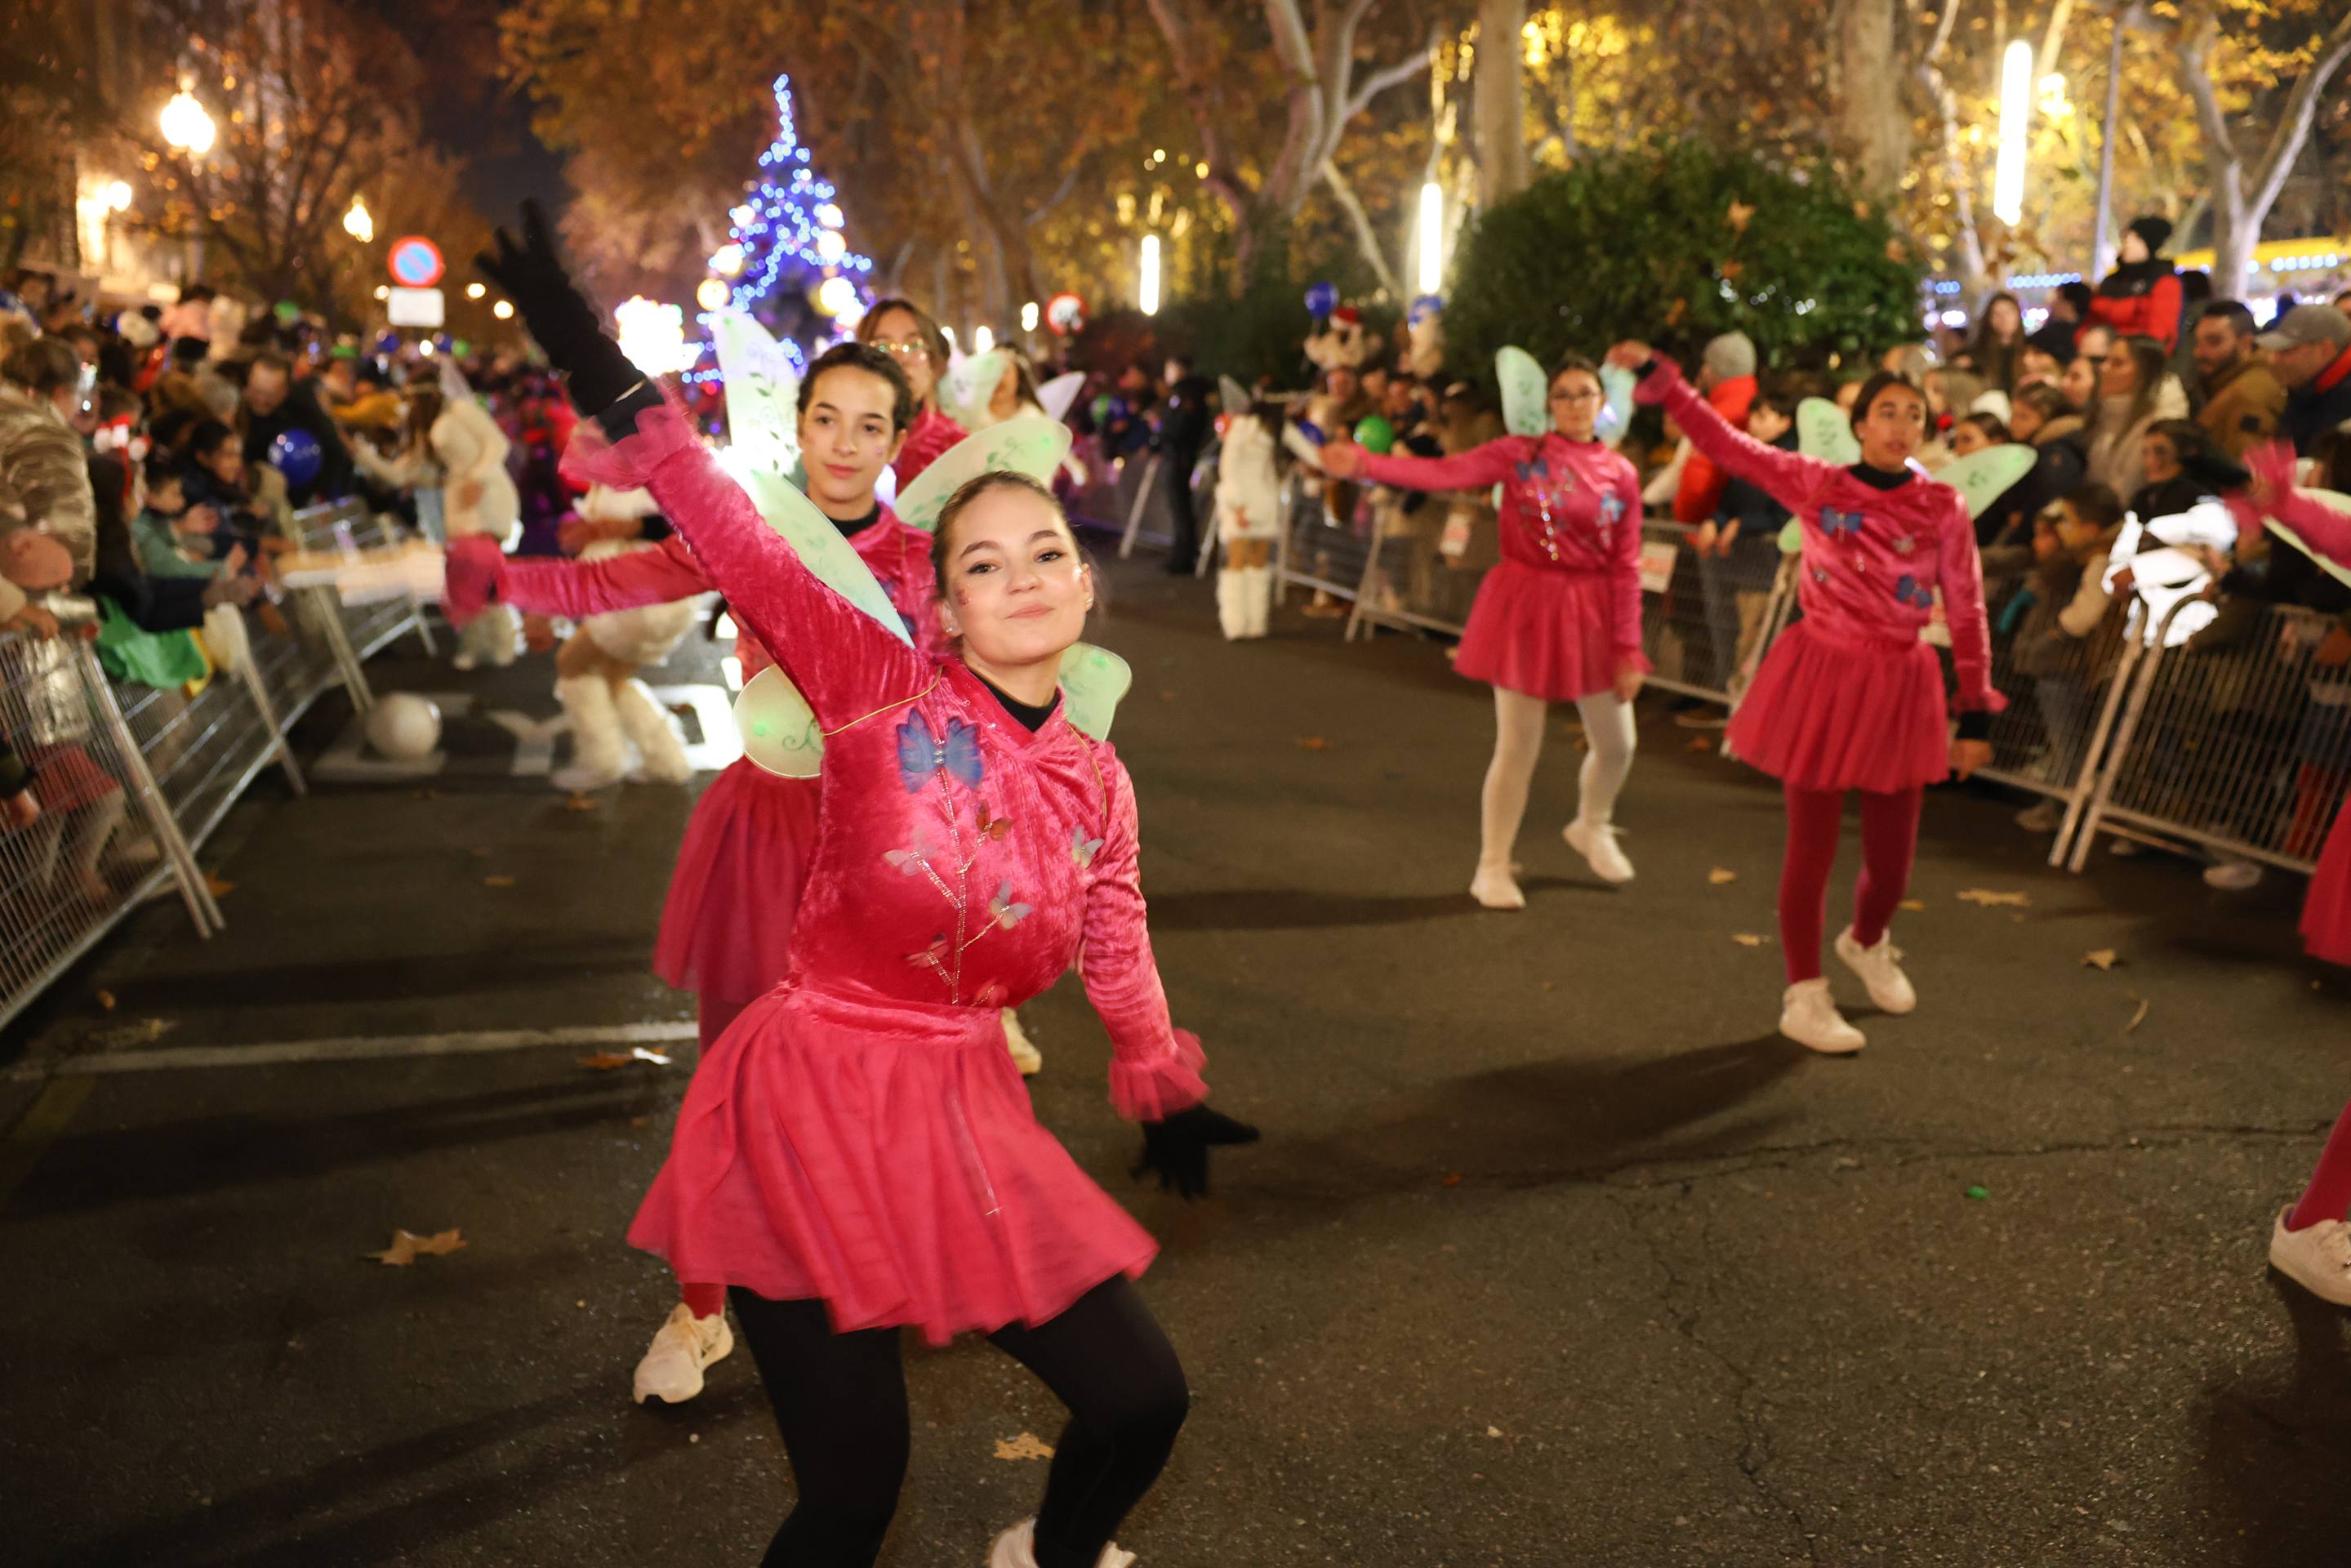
(415, 262)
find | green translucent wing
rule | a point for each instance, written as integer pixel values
(1526, 393)
(1615, 420)
(2326, 563)
(1093, 680)
(821, 548)
(969, 385)
(763, 393)
(779, 729)
(1056, 395)
(1032, 445)
(1822, 432)
(1983, 478)
(1231, 395)
(1792, 538)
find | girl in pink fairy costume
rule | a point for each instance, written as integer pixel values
(2310, 1241)
(1849, 698)
(1557, 619)
(857, 1153)
(904, 331)
(727, 928)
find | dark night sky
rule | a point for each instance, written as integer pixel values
(468, 109)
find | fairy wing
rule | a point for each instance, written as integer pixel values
(1056, 395)
(1032, 445)
(779, 729)
(1616, 404)
(1824, 433)
(966, 391)
(1093, 680)
(2328, 564)
(1983, 478)
(763, 390)
(1526, 407)
(1231, 395)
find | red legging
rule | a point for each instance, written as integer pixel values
(714, 1017)
(2328, 1197)
(1890, 837)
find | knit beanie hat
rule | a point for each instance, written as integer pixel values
(2154, 230)
(1729, 356)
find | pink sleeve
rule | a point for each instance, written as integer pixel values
(1155, 1068)
(626, 582)
(1626, 575)
(2318, 525)
(1961, 572)
(1790, 478)
(844, 660)
(1482, 466)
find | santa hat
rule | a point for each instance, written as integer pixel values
(1346, 316)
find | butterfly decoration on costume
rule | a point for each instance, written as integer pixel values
(1906, 544)
(1535, 468)
(991, 826)
(1819, 574)
(922, 752)
(1842, 525)
(1911, 592)
(916, 855)
(1005, 912)
(936, 955)
(1612, 506)
(1082, 849)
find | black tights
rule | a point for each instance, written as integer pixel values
(841, 1404)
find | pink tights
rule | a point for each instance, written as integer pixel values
(2328, 1197)
(713, 1016)
(1890, 838)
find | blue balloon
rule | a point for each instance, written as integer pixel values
(1321, 299)
(1425, 306)
(296, 455)
(1313, 432)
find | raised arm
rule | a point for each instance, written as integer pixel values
(1482, 466)
(1788, 478)
(1155, 1068)
(630, 581)
(2275, 494)
(1962, 572)
(1625, 582)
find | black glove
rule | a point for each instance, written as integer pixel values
(532, 275)
(2215, 472)
(1177, 1148)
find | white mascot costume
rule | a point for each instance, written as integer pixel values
(477, 496)
(611, 710)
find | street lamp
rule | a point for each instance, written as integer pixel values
(503, 310)
(982, 340)
(118, 195)
(1147, 291)
(1432, 237)
(2015, 129)
(476, 290)
(185, 124)
(359, 222)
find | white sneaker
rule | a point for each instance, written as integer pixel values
(1880, 968)
(670, 1371)
(1597, 844)
(1016, 1548)
(1809, 1016)
(2043, 817)
(1025, 1054)
(2233, 876)
(1496, 888)
(2317, 1258)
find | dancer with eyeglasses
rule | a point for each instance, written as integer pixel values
(905, 331)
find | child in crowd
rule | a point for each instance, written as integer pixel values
(171, 538)
(1739, 550)
(2065, 639)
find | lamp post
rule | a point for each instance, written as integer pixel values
(186, 125)
(1432, 237)
(2125, 17)
(2015, 131)
(359, 222)
(1147, 293)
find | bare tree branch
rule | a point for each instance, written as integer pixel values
(1366, 238)
(1396, 75)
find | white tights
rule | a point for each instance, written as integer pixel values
(1518, 743)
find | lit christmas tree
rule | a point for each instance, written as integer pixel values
(789, 265)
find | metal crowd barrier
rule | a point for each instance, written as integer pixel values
(355, 632)
(2244, 749)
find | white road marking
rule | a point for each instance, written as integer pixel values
(357, 1048)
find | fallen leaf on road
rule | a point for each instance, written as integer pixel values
(2104, 959)
(1747, 939)
(1914, 906)
(2137, 1017)
(606, 1060)
(1166, 695)
(407, 1247)
(1024, 1446)
(1312, 742)
(1717, 876)
(1987, 899)
(579, 801)
(479, 855)
(1452, 1181)
(106, 1001)
(498, 882)
(1493, 1431)
(218, 886)
(1700, 743)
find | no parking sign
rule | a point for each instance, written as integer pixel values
(415, 262)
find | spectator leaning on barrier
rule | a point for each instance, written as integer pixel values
(43, 482)
(2242, 397)
(172, 601)
(275, 404)
(2309, 350)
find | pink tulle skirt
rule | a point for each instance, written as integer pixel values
(881, 1156)
(727, 929)
(1827, 712)
(2326, 912)
(1550, 635)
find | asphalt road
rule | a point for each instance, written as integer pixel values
(1553, 1252)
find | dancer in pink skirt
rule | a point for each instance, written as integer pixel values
(1849, 698)
(727, 928)
(857, 1153)
(1557, 619)
(2310, 1242)
(905, 331)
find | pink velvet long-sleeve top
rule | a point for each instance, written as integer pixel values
(927, 439)
(961, 860)
(1872, 558)
(1567, 506)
